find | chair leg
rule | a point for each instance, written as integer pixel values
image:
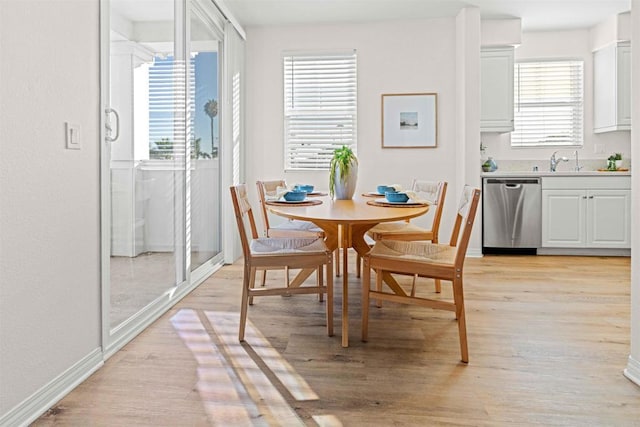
(320, 281)
(286, 276)
(358, 264)
(243, 305)
(437, 281)
(366, 286)
(337, 261)
(329, 297)
(378, 286)
(252, 282)
(413, 285)
(462, 323)
(264, 277)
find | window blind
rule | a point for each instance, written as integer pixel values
(166, 101)
(548, 104)
(320, 106)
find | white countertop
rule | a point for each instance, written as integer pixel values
(512, 174)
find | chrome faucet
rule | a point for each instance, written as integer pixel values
(578, 167)
(553, 163)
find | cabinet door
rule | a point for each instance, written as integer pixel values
(612, 88)
(624, 86)
(609, 218)
(563, 218)
(496, 90)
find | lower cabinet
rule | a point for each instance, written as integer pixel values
(597, 217)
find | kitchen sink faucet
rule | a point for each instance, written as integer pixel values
(578, 167)
(553, 163)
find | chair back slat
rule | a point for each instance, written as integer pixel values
(435, 192)
(244, 214)
(464, 222)
(265, 189)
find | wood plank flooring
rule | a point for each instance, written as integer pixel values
(548, 341)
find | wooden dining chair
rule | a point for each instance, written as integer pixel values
(435, 260)
(433, 192)
(289, 228)
(266, 253)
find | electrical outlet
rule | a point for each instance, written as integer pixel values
(72, 132)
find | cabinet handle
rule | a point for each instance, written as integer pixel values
(584, 197)
(591, 197)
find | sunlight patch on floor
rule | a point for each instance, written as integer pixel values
(234, 378)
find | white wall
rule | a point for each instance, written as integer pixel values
(393, 57)
(633, 367)
(467, 72)
(49, 196)
(575, 44)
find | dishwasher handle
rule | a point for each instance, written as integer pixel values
(513, 181)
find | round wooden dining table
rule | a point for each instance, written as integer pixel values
(349, 221)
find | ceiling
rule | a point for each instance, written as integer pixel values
(536, 15)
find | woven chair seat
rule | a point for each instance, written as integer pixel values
(415, 251)
(272, 246)
(387, 230)
(297, 225)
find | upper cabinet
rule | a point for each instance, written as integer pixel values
(612, 88)
(496, 89)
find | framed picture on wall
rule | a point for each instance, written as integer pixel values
(409, 120)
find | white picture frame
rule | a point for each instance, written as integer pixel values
(409, 120)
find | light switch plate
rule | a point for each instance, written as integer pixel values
(72, 136)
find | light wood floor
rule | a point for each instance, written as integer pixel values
(548, 341)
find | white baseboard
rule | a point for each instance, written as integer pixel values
(633, 370)
(474, 253)
(38, 403)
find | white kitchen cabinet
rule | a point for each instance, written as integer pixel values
(496, 89)
(612, 88)
(592, 212)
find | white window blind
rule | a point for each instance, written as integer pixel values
(166, 100)
(548, 104)
(320, 106)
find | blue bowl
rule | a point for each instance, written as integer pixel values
(304, 187)
(295, 196)
(384, 189)
(396, 197)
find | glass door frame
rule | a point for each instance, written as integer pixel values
(206, 11)
(115, 338)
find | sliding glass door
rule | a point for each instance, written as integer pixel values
(204, 53)
(160, 158)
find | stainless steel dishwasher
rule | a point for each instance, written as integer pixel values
(512, 212)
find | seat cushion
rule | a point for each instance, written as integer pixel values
(415, 251)
(284, 246)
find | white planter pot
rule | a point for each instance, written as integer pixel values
(345, 189)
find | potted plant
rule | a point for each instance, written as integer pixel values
(614, 162)
(343, 173)
(618, 160)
